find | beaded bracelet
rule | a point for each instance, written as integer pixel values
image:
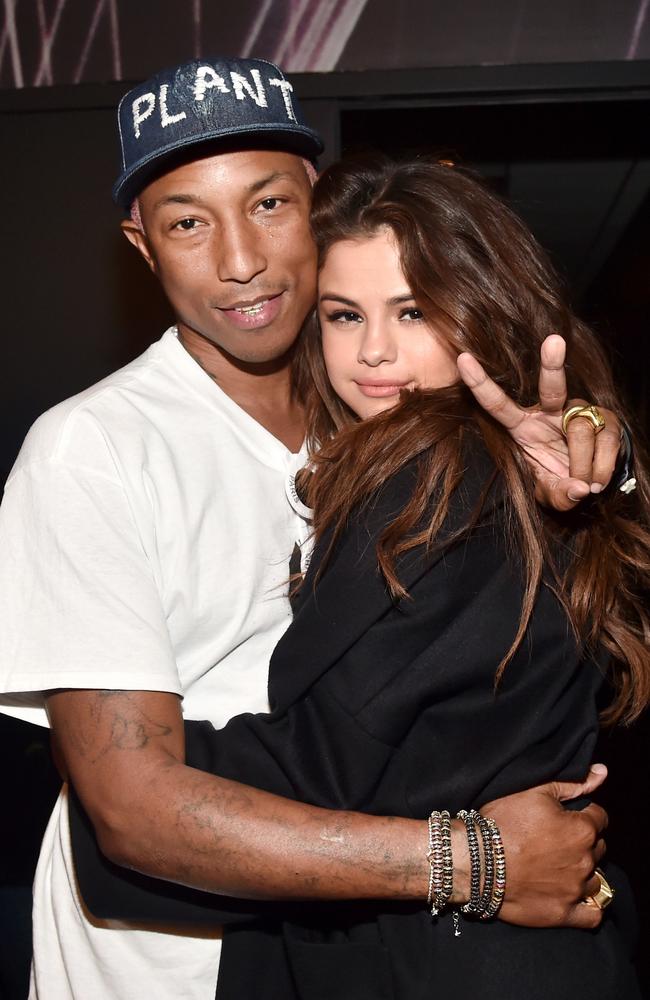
(487, 875)
(441, 867)
(499, 871)
(473, 905)
(488, 861)
(483, 904)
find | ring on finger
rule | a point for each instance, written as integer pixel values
(590, 413)
(605, 893)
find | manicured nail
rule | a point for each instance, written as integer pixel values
(597, 487)
(598, 769)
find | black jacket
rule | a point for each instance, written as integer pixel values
(390, 708)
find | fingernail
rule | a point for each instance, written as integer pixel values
(573, 499)
(597, 487)
(598, 769)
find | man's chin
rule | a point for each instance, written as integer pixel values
(255, 353)
(268, 348)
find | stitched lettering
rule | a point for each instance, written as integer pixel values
(206, 78)
(242, 86)
(165, 117)
(286, 89)
(140, 116)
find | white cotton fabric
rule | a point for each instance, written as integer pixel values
(145, 534)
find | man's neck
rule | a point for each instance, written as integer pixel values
(264, 390)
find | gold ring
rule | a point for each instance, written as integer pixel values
(591, 413)
(605, 894)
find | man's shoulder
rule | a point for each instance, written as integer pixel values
(77, 425)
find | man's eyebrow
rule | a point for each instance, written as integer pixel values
(195, 199)
(277, 175)
(179, 199)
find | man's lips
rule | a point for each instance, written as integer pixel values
(380, 387)
(252, 314)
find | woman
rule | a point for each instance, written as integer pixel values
(449, 641)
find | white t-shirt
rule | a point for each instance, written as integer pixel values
(145, 534)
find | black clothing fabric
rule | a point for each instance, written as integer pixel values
(391, 708)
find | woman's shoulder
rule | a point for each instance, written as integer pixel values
(479, 492)
(475, 501)
(481, 474)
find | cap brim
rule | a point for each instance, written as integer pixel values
(294, 138)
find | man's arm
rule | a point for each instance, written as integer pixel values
(124, 753)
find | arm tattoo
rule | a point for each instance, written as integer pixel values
(114, 722)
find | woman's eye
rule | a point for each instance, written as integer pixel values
(412, 314)
(344, 316)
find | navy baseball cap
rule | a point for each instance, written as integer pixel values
(227, 103)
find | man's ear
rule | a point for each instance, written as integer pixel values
(137, 237)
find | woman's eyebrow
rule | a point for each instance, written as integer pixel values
(333, 297)
(395, 300)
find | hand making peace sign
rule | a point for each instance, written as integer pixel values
(566, 469)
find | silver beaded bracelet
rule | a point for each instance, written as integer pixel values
(441, 866)
(487, 870)
(499, 856)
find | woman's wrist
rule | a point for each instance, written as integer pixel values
(623, 476)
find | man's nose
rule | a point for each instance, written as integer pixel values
(377, 344)
(240, 254)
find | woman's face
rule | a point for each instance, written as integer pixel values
(376, 341)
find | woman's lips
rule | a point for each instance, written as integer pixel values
(256, 314)
(381, 388)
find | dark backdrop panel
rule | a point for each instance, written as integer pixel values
(78, 301)
(473, 32)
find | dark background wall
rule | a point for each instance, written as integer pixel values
(73, 41)
(567, 141)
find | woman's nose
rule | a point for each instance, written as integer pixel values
(377, 345)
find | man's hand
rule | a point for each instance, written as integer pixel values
(551, 853)
(566, 469)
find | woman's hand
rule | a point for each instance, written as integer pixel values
(566, 469)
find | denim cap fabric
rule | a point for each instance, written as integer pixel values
(229, 103)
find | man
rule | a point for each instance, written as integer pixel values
(146, 536)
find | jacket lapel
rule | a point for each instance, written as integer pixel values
(345, 600)
(351, 594)
(348, 599)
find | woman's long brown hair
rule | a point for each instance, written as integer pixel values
(477, 272)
